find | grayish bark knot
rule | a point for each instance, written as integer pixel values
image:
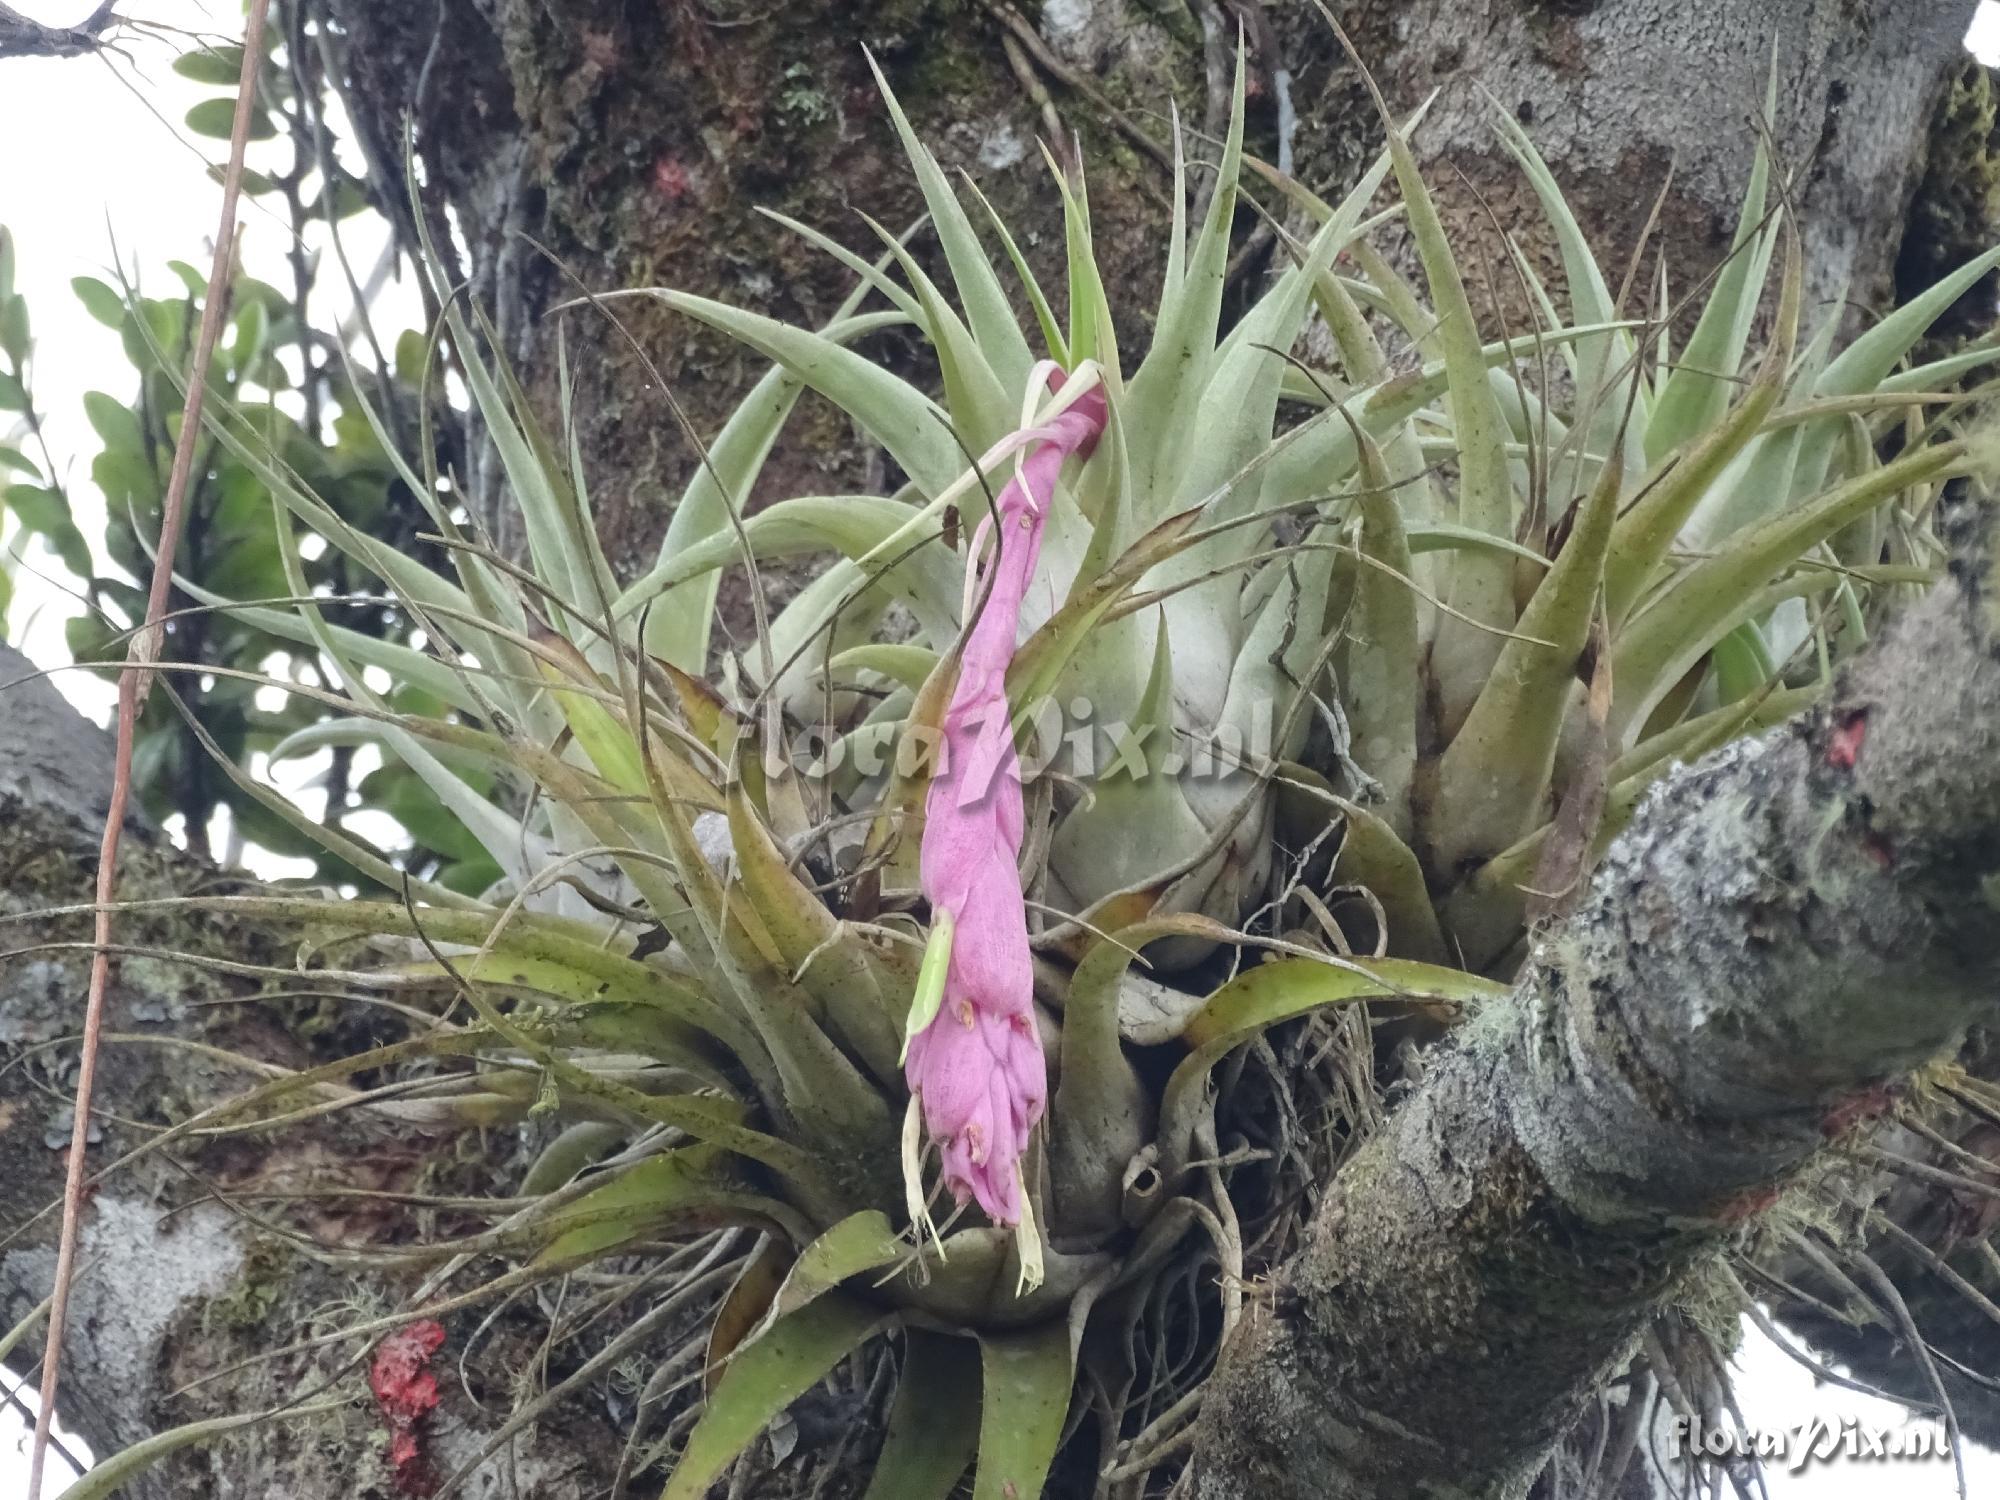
(50, 755)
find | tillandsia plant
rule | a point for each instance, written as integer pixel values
(1257, 695)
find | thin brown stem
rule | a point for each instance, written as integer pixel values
(133, 685)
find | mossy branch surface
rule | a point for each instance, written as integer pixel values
(1787, 930)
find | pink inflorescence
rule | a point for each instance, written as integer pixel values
(977, 1068)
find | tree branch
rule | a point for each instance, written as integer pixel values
(21, 37)
(1787, 930)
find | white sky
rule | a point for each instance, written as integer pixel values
(1983, 39)
(87, 161)
(84, 160)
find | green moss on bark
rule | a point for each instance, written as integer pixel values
(1955, 214)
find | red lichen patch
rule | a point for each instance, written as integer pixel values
(1843, 747)
(1744, 1205)
(670, 179)
(600, 50)
(1879, 849)
(1865, 1104)
(407, 1392)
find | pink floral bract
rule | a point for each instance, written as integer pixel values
(977, 1068)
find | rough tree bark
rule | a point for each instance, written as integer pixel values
(1787, 928)
(180, 1284)
(636, 142)
(632, 140)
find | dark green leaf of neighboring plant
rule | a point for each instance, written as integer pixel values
(127, 478)
(99, 300)
(195, 281)
(348, 198)
(46, 513)
(470, 877)
(14, 328)
(255, 184)
(412, 348)
(221, 66)
(215, 118)
(88, 638)
(407, 800)
(113, 421)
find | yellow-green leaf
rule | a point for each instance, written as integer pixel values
(1025, 1400)
(934, 1424)
(764, 1377)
